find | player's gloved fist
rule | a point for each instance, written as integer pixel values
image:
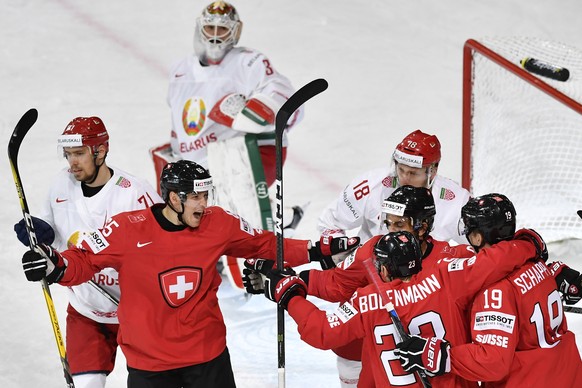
(328, 246)
(536, 239)
(46, 262)
(428, 354)
(281, 286)
(569, 282)
(254, 275)
(43, 231)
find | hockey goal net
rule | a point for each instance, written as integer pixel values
(522, 133)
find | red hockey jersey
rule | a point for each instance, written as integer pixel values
(434, 302)
(168, 313)
(520, 335)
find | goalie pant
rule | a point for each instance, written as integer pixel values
(437, 297)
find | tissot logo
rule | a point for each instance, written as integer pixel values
(178, 285)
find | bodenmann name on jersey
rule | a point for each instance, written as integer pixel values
(411, 294)
(532, 277)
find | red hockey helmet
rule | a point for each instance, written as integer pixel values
(418, 149)
(85, 131)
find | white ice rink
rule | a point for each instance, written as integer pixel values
(392, 67)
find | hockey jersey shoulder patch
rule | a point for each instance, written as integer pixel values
(96, 241)
(345, 312)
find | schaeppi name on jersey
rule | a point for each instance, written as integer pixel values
(494, 320)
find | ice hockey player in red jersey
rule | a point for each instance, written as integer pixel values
(171, 329)
(519, 332)
(431, 303)
(408, 208)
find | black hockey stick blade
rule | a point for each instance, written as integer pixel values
(20, 130)
(301, 96)
(580, 213)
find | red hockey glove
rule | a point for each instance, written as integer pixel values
(536, 239)
(328, 246)
(569, 282)
(429, 354)
(281, 286)
(45, 263)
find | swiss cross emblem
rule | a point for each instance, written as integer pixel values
(179, 284)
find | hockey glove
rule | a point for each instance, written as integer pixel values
(254, 275)
(43, 231)
(328, 246)
(429, 354)
(46, 262)
(569, 282)
(537, 241)
(281, 286)
(253, 115)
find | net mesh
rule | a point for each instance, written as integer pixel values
(525, 143)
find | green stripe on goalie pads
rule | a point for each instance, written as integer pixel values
(261, 188)
(239, 179)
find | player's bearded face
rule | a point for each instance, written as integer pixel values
(194, 208)
(413, 176)
(81, 162)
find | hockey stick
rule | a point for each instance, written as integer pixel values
(22, 127)
(580, 213)
(308, 91)
(572, 309)
(372, 275)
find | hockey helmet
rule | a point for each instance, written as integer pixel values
(400, 253)
(217, 32)
(184, 177)
(85, 131)
(414, 202)
(418, 149)
(491, 214)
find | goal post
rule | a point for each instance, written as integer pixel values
(522, 132)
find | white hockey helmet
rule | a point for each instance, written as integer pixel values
(217, 32)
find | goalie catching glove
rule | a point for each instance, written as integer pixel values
(282, 286)
(253, 115)
(44, 262)
(428, 354)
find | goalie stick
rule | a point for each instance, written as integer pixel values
(22, 127)
(301, 96)
(372, 275)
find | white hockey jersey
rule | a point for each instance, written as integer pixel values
(194, 89)
(360, 206)
(71, 214)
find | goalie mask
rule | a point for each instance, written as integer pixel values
(84, 131)
(217, 32)
(492, 214)
(400, 253)
(184, 177)
(414, 202)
